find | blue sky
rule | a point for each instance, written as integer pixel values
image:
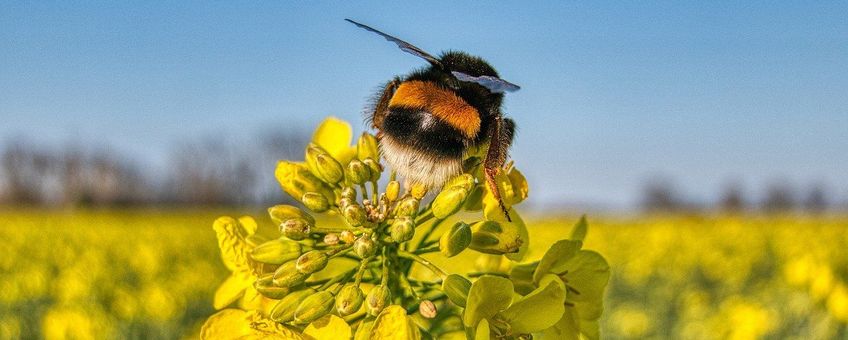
(612, 93)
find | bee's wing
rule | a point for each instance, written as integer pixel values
(494, 84)
(405, 46)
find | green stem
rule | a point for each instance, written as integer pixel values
(442, 274)
(374, 190)
(426, 250)
(385, 279)
(430, 229)
(478, 274)
(337, 279)
(361, 270)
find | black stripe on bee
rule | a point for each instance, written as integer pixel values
(420, 130)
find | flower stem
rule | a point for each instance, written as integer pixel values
(430, 229)
(426, 250)
(426, 263)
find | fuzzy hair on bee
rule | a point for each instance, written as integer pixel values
(427, 120)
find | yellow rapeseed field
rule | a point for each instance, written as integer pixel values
(144, 274)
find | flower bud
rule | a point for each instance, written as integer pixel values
(378, 298)
(392, 190)
(276, 251)
(296, 179)
(366, 147)
(349, 193)
(287, 275)
(364, 246)
(448, 202)
(315, 202)
(311, 158)
(354, 214)
(474, 201)
(418, 191)
(407, 207)
(492, 237)
(295, 229)
(330, 169)
(265, 286)
(331, 239)
(358, 172)
(375, 168)
(284, 310)
(349, 300)
(347, 236)
(465, 181)
(344, 202)
(314, 307)
(456, 288)
(427, 309)
(403, 229)
(281, 213)
(455, 240)
(312, 261)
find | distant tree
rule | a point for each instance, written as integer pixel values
(732, 199)
(816, 200)
(660, 194)
(779, 197)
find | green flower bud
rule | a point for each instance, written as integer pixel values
(347, 236)
(375, 168)
(492, 237)
(331, 239)
(378, 298)
(407, 207)
(474, 201)
(358, 172)
(296, 179)
(449, 201)
(312, 261)
(456, 288)
(276, 251)
(330, 169)
(349, 300)
(427, 309)
(455, 240)
(315, 202)
(366, 147)
(265, 286)
(284, 310)
(392, 190)
(349, 193)
(403, 229)
(465, 181)
(314, 307)
(364, 246)
(287, 275)
(281, 213)
(311, 157)
(295, 229)
(354, 214)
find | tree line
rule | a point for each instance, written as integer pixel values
(661, 194)
(210, 171)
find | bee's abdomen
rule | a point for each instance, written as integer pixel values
(421, 131)
(442, 104)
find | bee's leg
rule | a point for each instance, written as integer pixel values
(381, 103)
(500, 138)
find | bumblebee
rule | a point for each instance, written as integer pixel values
(428, 119)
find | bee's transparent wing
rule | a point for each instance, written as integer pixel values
(494, 84)
(404, 46)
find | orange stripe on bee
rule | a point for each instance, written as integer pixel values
(442, 103)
